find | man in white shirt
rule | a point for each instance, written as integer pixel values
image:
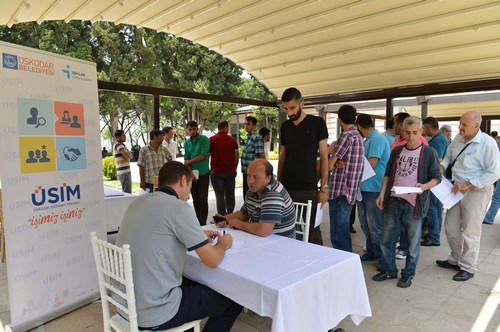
(168, 141)
(475, 166)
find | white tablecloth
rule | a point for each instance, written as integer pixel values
(301, 286)
(116, 203)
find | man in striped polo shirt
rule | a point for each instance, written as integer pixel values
(268, 207)
(122, 159)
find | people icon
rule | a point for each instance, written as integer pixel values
(44, 158)
(31, 158)
(35, 119)
(34, 116)
(37, 156)
(66, 119)
(75, 123)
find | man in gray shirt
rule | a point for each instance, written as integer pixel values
(160, 227)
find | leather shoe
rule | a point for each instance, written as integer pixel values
(463, 276)
(429, 243)
(447, 265)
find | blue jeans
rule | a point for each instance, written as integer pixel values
(340, 223)
(495, 205)
(398, 216)
(198, 302)
(371, 219)
(434, 218)
(126, 182)
(223, 184)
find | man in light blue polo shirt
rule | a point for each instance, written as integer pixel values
(434, 217)
(377, 151)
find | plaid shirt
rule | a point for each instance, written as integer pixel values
(346, 181)
(152, 161)
(254, 147)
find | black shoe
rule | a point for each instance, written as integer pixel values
(404, 282)
(447, 265)
(463, 276)
(352, 230)
(429, 243)
(487, 223)
(367, 257)
(384, 276)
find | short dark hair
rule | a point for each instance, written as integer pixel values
(291, 94)
(401, 117)
(264, 131)
(431, 122)
(119, 133)
(389, 124)
(365, 121)
(172, 172)
(251, 119)
(222, 125)
(166, 130)
(347, 113)
(192, 123)
(154, 133)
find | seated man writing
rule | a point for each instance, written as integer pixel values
(160, 227)
(268, 207)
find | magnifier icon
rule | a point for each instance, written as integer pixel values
(40, 122)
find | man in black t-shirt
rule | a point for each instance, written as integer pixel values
(301, 136)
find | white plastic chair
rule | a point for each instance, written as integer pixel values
(301, 224)
(114, 265)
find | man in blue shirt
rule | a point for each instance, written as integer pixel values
(434, 218)
(377, 151)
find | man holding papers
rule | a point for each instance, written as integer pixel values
(475, 167)
(411, 165)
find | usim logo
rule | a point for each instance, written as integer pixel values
(55, 194)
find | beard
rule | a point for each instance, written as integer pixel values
(296, 116)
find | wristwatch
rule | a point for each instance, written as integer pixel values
(325, 188)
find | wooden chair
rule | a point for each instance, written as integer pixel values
(114, 266)
(302, 219)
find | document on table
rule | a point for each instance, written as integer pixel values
(443, 192)
(237, 245)
(368, 171)
(319, 215)
(406, 190)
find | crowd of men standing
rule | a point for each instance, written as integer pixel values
(410, 153)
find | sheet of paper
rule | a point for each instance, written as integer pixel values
(406, 190)
(368, 171)
(443, 192)
(319, 215)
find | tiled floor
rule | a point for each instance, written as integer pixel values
(433, 303)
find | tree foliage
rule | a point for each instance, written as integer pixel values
(140, 56)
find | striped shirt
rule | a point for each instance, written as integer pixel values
(274, 205)
(152, 161)
(122, 164)
(253, 148)
(346, 181)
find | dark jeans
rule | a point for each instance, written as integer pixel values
(223, 184)
(398, 218)
(126, 182)
(198, 302)
(371, 219)
(199, 191)
(434, 218)
(340, 223)
(245, 186)
(302, 196)
(149, 186)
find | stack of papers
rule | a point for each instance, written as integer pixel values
(406, 190)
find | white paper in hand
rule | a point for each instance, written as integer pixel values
(406, 190)
(319, 215)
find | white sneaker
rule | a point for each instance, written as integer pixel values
(400, 254)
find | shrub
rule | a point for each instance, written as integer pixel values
(109, 168)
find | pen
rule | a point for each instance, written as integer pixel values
(224, 232)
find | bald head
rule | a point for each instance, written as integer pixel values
(259, 174)
(470, 122)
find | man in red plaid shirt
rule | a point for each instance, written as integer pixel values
(346, 165)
